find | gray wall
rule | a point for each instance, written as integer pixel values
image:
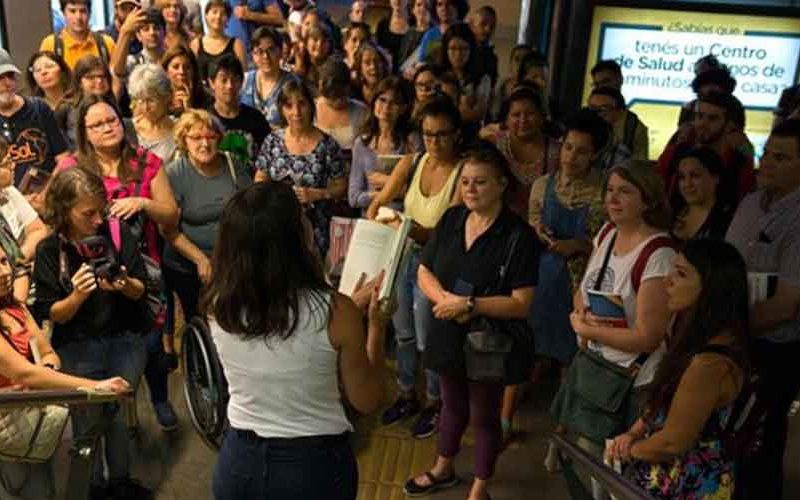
(26, 23)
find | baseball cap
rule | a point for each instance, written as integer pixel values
(6, 64)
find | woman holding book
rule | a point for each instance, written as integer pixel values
(481, 261)
(293, 349)
(632, 255)
(431, 179)
(676, 448)
(386, 135)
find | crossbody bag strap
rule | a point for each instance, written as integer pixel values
(599, 281)
(231, 170)
(503, 271)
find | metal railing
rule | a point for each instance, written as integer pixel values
(82, 451)
(616, 485)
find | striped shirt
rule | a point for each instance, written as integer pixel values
(766, 235)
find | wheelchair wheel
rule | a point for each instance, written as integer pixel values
(205, 387)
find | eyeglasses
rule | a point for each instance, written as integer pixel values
(202, 138)
(265, 52)
(426, 86)
(40, 68)
(94, 76)
(442, 134)
(111, 122)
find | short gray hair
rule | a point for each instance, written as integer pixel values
(148, 80)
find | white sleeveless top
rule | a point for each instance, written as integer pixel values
(285, 388)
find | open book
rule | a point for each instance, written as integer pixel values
(375, 247)
(608, 307)
(388, 162)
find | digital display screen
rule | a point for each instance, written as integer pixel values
(657, 50)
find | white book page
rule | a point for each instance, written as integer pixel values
(369, 252)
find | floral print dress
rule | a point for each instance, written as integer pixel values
(704, 473)
(314, 170)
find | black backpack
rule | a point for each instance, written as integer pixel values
(743, 434)
(58, 46)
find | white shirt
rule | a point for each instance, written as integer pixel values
(285, 388)
(17, 212)
(617, 281)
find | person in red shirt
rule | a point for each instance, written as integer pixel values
(714, 127)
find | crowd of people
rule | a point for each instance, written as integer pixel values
(213, 161)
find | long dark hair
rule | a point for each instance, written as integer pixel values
(197, 96)
(462, 31)
(721, 308)
(263, 263)
(402, 91)
(86, 155)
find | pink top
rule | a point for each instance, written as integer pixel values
(116, 190)
(20, 341)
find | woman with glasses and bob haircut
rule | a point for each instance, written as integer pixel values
(202, 178)
(431, 179)
(262, 85)
(96, 308)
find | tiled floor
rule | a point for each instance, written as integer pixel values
(179, 465)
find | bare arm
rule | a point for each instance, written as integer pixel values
(394, 185)
(652, 318)
(238, 49)
(271, 16)
(35, 232)
(361, 372)
(430, 285)
(162, 208)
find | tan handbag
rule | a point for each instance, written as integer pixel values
(31, 434)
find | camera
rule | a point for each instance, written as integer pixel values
(99, 254)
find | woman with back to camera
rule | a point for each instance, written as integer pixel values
(430, 182)
(676, 448)
(460, 273)
(632, 256)
(48, 77)
(287, 342)
(97, 316)
(699, 211)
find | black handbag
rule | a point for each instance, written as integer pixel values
(490, 342)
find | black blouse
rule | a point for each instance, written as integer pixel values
(104, 312)
(474, 272)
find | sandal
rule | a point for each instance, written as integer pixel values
(412, 489)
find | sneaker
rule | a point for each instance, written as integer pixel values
(428, 423)
(128, 489)
(401, 409)
(166, 416)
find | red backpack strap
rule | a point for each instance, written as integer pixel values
(604, 231)
(18, 313)
(644, 256)
(116, 234)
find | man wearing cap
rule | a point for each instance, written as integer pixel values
(28, 125)
(77, 40)
(123, 8)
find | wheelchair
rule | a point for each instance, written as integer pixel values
(205, 386)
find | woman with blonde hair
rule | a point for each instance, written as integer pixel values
(202, 178)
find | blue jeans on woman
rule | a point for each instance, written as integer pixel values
(412, 322)
(312, 468)
(120, 355)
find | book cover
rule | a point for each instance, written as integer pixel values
(388, 162)
(608, 307)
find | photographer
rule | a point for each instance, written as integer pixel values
(94, 297)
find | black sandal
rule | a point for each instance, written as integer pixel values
(412, 489)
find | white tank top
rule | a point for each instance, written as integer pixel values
(285, 388)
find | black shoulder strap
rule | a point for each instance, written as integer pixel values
(503, 271)
(101, 47)
(599, 281)
(58, 45)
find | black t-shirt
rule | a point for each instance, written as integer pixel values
(474, 272)
(103, 313)
(34, 137)
(486, 60)
(245, 133)
(390, 41)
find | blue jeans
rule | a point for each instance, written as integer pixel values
(412, 322)
(121, 355)
(155, 373)
(254, 468)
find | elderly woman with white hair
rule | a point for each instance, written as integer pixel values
(151, 92)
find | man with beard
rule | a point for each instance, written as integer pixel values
(28, 125)
(713, 123)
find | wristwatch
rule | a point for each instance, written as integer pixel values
(470, 304)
